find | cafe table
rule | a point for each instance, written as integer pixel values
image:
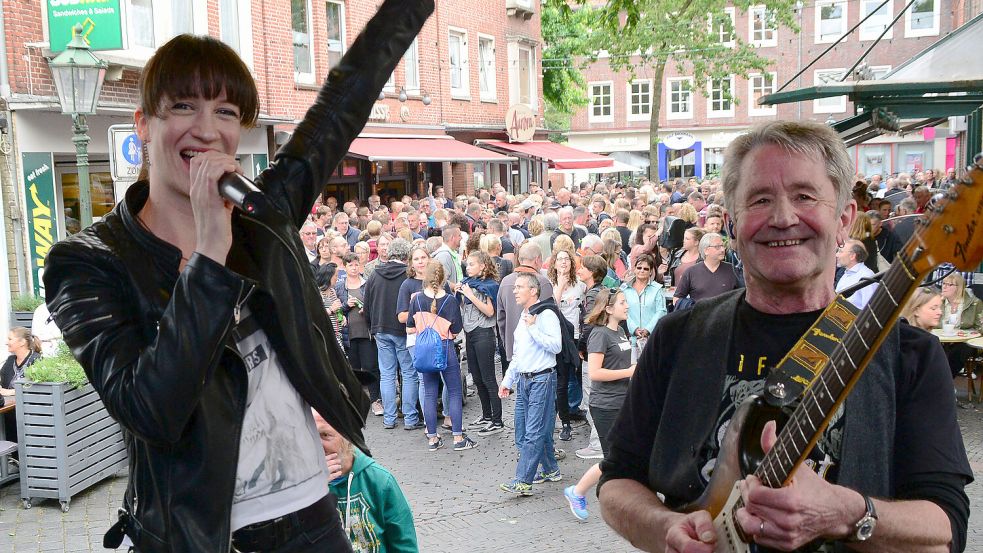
(7, 447)
(957, 337)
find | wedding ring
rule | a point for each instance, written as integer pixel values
(761, 529)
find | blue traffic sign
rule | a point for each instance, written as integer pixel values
(130, 148)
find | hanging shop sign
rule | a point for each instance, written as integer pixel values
(520, 123)
(679, 140)
(39, 190)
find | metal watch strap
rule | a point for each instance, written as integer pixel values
(866, 524)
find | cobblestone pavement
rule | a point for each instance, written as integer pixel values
(454, 496)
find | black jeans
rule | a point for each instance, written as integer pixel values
(481, 345)
(328, 536)
(363, 355)
(603, 423)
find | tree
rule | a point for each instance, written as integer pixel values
(565, 35)
(689, 33)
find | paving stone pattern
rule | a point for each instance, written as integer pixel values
(454, 496)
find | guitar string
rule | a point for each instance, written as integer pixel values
(882, 299)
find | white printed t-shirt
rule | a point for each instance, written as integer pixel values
(281, 467)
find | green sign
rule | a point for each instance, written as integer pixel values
(101, 20)
(42, 221)
(260, 163)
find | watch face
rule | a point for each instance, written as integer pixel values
(866, 529)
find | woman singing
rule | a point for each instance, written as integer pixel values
(201, 328)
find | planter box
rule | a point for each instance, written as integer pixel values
(67, 441)
(21, 318)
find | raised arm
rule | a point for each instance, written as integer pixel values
(342, 107)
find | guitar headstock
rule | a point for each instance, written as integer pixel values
(952, 230)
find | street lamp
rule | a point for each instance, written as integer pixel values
(78, 76)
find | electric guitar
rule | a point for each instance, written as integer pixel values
(948, 233)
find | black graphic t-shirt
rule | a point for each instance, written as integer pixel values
(760, 342)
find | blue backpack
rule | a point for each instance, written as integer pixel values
(430, 352)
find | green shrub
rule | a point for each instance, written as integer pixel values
(62, 367)
(25, 302)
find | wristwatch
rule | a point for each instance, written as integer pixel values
(864, 528)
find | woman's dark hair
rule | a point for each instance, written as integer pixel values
(640, 232)
(324, 274)
(649, 260)
(597, 266)
(188, 66)
(474, 241)
(23, 333)
(197, 65)
(489, 269)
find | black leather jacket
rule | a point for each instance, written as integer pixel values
(156, 344)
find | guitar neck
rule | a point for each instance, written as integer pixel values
(839, 374)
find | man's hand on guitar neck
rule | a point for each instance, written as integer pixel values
(791, 516)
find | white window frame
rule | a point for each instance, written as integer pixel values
(714, 113)
(867, 32)
(462, 92)
(689, 98)
(591, 118)
(244, 21)
(630, 101)
(824, 105)
(340, 45)
(882, 69)
(732, 13)
(764, 42)
(936, 17)
(161, 13)
(844, 25)
(303, 77)
(753, 109)
(411, 68)
(525, 49)
(487, 68)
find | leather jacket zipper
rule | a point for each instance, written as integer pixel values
(241, 407)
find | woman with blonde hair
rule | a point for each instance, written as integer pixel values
(962, 309)
(434, 308)
(863, 231)
(635, 219)
(924, 309)
(25, 349)
(688, 213)
(492, 245)
(688, 255)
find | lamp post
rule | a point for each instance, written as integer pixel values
(78, 76)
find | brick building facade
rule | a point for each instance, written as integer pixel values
(471, 62)
(695, 128)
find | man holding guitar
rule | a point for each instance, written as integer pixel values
(884, 470)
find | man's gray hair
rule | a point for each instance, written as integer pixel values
(529, 253)
(399, 249)
(433, 244)
(530, 280)
(551, 222)
(496, 226)
(590, 241)
(705, 242)
(908, 205)
(810, 138)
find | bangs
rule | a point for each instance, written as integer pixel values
(190, 66)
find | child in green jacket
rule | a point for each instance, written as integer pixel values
(373, 509)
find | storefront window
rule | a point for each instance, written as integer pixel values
(101, 193)
(875, 160)
(713, 159)
(914, 157)
(681, 163)
(348, 168)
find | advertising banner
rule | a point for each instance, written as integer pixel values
(42, 221)
(101, 20)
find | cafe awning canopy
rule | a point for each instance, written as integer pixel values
(944, 80)
(556, 155)
(618, 167)
(435, 149)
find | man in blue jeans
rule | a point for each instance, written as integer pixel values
(381, 292)
(536, 341)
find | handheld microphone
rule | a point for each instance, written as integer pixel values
(240, 191)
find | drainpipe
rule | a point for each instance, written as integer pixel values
(4, 77)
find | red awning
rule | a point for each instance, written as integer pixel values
(557, 155)
(421, 149)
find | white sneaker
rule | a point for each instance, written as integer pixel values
(590, 453)
(377, 409)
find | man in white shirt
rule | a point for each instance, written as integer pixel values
(537, 340)
(851, 257)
